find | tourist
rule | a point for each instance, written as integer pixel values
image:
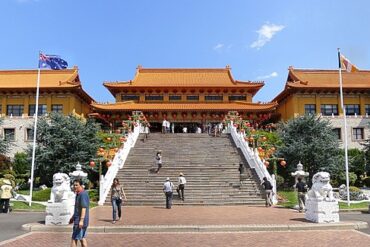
(146, 132)
(181, 186)
(158, 160)
(184, 129)
(6, 191)
(164, 125)
(117, 196)
(168, 125)
(80, 216)
(302, 189)
(167, 189)
(173, 128)
(268, 191)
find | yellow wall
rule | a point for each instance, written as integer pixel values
(293, 105)
(71, 103)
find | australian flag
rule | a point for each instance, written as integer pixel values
(52, 62)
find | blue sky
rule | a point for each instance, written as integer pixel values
(108, 39)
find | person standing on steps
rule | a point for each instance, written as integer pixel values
(268, 190)
(168, 191)
(181, 186)
(117, 196)
(158, 160)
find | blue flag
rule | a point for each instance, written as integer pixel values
(52, 62)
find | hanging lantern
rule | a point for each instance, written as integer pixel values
(108, 164)
(101, 150)
(174, 115)
(266, 163)
(283, 163)
(194, 114)
(109, 139)
(92, 163)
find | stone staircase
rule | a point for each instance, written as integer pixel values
(210, 165)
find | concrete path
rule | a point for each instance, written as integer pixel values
(201, 226)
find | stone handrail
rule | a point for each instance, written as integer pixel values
(253, 159)
(118, 162)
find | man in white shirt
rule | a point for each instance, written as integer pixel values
(164, 125)
(168, 124)
(182, 182)
(167, 189)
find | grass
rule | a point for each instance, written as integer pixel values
(24, 206)
(37, 195)
(289, 200)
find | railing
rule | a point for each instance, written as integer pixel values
(118, 163)
(253, 159)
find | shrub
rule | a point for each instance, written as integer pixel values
(279, 181)
(41, 195)
(354, 189)
(366, 182)
(352, 178)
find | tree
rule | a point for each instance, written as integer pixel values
(62, 141)
(21, 163)
(311, 141)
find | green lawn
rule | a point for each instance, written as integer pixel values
(37, 195)
(289, 200)
(24, 206)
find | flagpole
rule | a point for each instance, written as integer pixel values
(345, 126)
(34, 131)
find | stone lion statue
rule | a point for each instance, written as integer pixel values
(61, 189)
(321, 188)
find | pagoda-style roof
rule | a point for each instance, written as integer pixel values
(237, 106)
(315, 80)
(50, 80)
(183, 78)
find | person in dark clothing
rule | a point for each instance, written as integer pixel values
(268, 190)
(302, 189)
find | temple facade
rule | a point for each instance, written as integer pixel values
(310, 91)
(60, 91)
(185, 97)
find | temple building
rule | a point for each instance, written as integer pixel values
(183, 96)
(60, 91)
(316, 91)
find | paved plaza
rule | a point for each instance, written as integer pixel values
(199, 226)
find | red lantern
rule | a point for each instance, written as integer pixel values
(174, 115)
(108, 164)
(194, 114)
(101, 150)
(283, 163)
(92, 164)
(109, 139)
(266, 163)
(122, 139)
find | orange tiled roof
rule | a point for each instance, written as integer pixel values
(238, 105)
(49, 79)
(183, 77)
(316, 79)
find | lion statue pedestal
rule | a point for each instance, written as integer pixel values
(61, 204)
(321, 206)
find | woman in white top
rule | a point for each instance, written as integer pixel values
(181, 187)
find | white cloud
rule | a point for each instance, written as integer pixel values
(218, 47)
(262, 77)
(265, 34)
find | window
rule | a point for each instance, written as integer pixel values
(57, 108)
(328, 110)
(367, 109)
(357, 133)
(310, 109)
(337, 132)
(175, 97)
(352, 110)
(128, 97)
(237, 97)
(14, 110)
(9, 134)
(29, 134)
(32, 110)
(154, 97)
(213, 97)
(192, 97)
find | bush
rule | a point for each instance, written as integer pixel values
(354, 189)
(279, 181)
(41, 195)
(94, 195)
(352, 178)
(366, 182)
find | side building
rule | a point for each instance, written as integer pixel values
(315, 91)
(184, 96)
(60, 91)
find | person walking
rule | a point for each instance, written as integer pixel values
(117, 197)
(158, 160)
(6, 191)
(168, 191)
(181, 186)
(302, 189)
(80, 218)
(268, 191)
